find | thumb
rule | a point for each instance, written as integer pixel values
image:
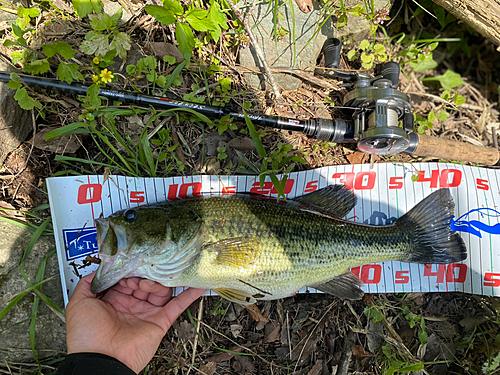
(82, 289)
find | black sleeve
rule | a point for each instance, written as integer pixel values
(92, 363)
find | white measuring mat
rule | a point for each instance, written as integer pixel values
(384, 194)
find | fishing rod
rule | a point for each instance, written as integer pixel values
(381, 119)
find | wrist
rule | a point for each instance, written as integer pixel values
(92, 363)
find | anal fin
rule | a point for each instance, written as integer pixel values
(343, 286)
(235, 295)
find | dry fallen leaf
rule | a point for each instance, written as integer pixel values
(62, 145)
(236, 330)
(185, 330)
(359, 352)
(242, 143)
(358, 158)
(304, 5)
(255, 313)
(207, 369)
(317, 368)
(272, 332)
(161, 49)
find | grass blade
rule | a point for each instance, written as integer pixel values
(74, 128)
(255, 136)
(174, 75)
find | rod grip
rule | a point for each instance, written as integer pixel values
(453, 150)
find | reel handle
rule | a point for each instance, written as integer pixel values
(448, 149)
(332, 49)
(391, 72)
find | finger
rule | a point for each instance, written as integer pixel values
(82, 289)
(122, 289)
(159, 301)
(180, 303)
(133, 282)
(150, 286)
(140, 294)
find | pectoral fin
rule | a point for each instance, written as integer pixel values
(344, 286)
(234, 295)
(235, 252)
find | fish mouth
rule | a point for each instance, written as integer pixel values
(115, 264)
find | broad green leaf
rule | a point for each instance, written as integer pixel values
(442, 116)
(446, 95)
(200, 24)
(341, 21)
(379, 48)
(448, 80)
(100, 22)
(93, 93)
(131, 69)
(62, 48)
(28, 12)
(14, 85)
(9, 43)
(38, 67)
(146, 64)
(424, 64)
(169, 59)
(367, 58)
(185, 38)
(459, 99)
(68, 72)
(162, 14)
(95, 44)
(85, 7)
(440, 15)
(364, 44)
(174, 6)
(382, 57)
(121, 42)
(116, 17)
(351, 54)
(161, 81)
(216, 15)
(25, 101)
(17, 31)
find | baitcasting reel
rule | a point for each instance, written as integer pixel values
(382, 119)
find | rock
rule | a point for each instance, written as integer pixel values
(308, 45)
(111, 7)
(50, 332)
(15, 123)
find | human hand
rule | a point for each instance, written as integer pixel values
(128, 323)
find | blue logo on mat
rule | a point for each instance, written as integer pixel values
(475, 227)
(79, 242)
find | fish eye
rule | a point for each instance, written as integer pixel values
(130, 215)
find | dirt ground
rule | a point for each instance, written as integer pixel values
(311, 334)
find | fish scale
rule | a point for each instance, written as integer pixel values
(250, 248)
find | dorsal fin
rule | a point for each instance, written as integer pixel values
(333, 200)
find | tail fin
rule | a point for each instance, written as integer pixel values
(429, 226)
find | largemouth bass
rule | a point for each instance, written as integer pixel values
(248, 248)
